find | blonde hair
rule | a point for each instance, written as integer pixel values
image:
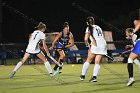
(41, 25)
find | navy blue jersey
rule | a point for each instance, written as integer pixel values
(64, 40)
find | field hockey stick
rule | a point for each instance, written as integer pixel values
(127, 51)
(111, 58)
(55, 61)
(52, 59)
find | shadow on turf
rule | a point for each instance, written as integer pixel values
(44, 85)
(60, 82)
(102, 89)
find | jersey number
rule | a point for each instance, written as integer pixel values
(35, 35)
(99, 32)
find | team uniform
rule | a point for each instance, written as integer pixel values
(33, 48)
(97, 34)
(136, 48)
(99, 49)
(63, 41)
(36, 37)
(134, 39)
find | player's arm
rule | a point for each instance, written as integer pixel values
(137, 25)
(56, 39)
(71, 41)
(86, 39)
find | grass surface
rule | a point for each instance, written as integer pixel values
(35, 79)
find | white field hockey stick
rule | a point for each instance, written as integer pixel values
(111, 58)
(55, 61)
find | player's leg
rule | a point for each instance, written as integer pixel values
(56, 66)
(137, 62)
(19, 64)
(132, 56)
(46, 62)
(96, 69)
(61, 59)
(86, 65)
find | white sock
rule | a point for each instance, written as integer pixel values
(96, 69)
(48, 67)
(136, 61)
(19, 64)
(85, 68)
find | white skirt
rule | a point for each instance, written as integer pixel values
(98, 50)
(30, 51)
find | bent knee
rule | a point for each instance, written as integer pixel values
(130, 60)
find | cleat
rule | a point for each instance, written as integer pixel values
(51, 74)
(55, 72)
(93, 79)
(82, 77)
(131, 81)
(60, 71)
(12, 74)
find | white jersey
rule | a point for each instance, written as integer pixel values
(36, 36)
(134, 37)
(98, 35)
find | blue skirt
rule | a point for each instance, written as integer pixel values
(136, 49)
(59, 45)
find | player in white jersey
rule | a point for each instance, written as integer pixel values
(97, 48)
(133, 37)
(33, 48)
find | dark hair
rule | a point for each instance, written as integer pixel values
(90, 20)
(41, 25)
(130, 30)
(66, 24)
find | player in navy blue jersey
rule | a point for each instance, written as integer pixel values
(134, 53)
(131, 36)
(61, 42)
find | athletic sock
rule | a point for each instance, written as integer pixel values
(19, 64)
(130, 69)
(61, 62)
(55, 67)
(85, 68)
(136, 61)
(48, 67)
(96, 69)
(60, 68)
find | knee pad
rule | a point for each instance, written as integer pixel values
(130, 60)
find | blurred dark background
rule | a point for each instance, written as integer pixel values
(19, 17)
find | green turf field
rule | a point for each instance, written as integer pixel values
(35, 79)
